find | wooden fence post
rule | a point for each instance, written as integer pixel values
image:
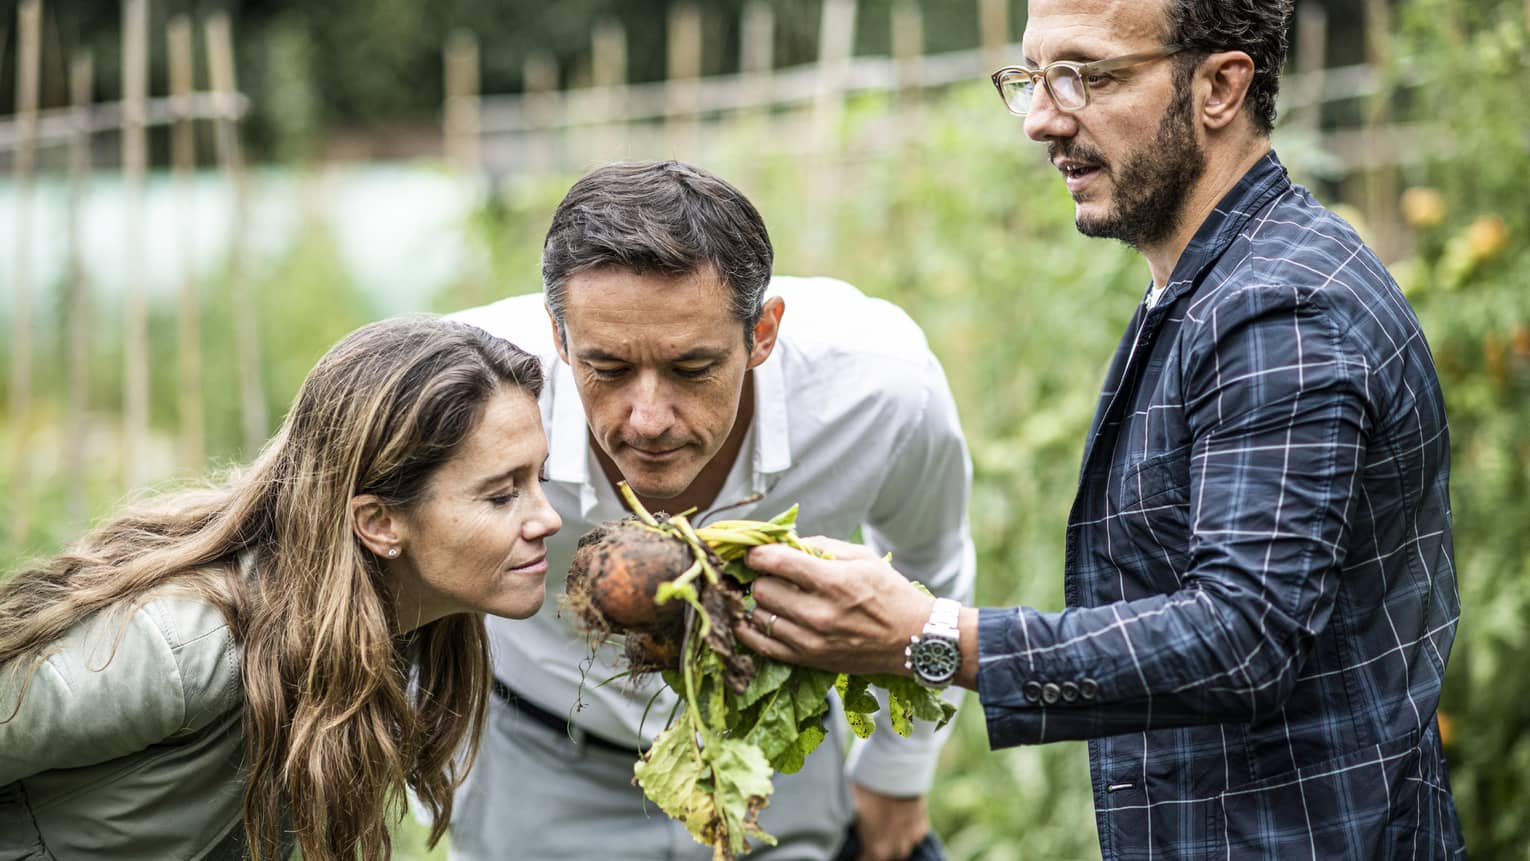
(135, 165)
(757, 33)
(1311, 50)
(836, 40)
(28, 85)
(461, 119)
(1381, 181)
(608, 73)
(993, 21)
(81, 81)
(252, 397)
(681, 129)
(542, 101)
(908, 50)
(183, 159)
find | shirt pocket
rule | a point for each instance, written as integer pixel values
(1156, 484)
(1151, 528)
(19, 838)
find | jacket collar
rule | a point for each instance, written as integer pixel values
(1226, 222)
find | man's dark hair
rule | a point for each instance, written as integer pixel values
(1256, 27)
(663, 218)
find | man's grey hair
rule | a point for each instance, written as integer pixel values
(659, 218)
(1258, 28)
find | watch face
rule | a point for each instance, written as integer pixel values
(935, 659)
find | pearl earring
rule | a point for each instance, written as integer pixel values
(392, 552)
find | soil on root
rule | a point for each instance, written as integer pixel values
(613, 583)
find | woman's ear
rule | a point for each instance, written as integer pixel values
(378, 527)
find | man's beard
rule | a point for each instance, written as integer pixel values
(1151, 187)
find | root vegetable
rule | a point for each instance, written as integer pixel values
(614, 578)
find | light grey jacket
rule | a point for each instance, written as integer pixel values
(132, 755)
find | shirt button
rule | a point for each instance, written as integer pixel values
(1050, 693)
(1089, 689)
(1069, 692)
(1033, 691)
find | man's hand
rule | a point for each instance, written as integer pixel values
(889, 828)
(850, 614)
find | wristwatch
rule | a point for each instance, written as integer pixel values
(935, 653)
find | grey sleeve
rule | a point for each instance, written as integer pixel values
(112, 686)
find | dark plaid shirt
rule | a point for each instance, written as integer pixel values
(1261, 597)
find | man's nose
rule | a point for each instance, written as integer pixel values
(1044, 121)
(652, 411)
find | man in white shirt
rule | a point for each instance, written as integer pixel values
(671, 363)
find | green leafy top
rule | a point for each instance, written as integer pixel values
(711, 767)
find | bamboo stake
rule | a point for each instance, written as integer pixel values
(135, 164)
(757, 35)
(993, 20)
(835, 39)
(183, 158)
(836, 36)
(757, 62)
(81, 78)
(608, 60)
(252, 400)
(28, 84)
(461, 118)
(1381, 180)
(1311, 51)
(908, 52)
(682, 137)
(540, 75)
(756, 57)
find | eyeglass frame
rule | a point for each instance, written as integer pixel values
(1110, 64)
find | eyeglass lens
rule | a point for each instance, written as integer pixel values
(1067, 89)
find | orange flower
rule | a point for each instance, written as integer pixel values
(1447, 726)
(1487, 237)
(1423, 206)
(1522, 341)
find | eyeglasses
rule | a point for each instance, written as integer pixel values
(1067, 82)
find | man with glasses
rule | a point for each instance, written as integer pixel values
(1261, 593)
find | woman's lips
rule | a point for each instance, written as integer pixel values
(537, 568)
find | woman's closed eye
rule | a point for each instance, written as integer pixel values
(500, 500)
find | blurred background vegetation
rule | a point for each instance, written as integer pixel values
(354, 214)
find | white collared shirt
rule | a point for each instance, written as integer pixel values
(853, 420)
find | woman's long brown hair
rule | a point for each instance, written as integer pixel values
(341, 713)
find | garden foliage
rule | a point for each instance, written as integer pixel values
(970, 231)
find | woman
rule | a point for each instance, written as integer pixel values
(296, 647)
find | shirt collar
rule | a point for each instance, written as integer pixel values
(773, 450)
(568, 445)
(568, 436)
